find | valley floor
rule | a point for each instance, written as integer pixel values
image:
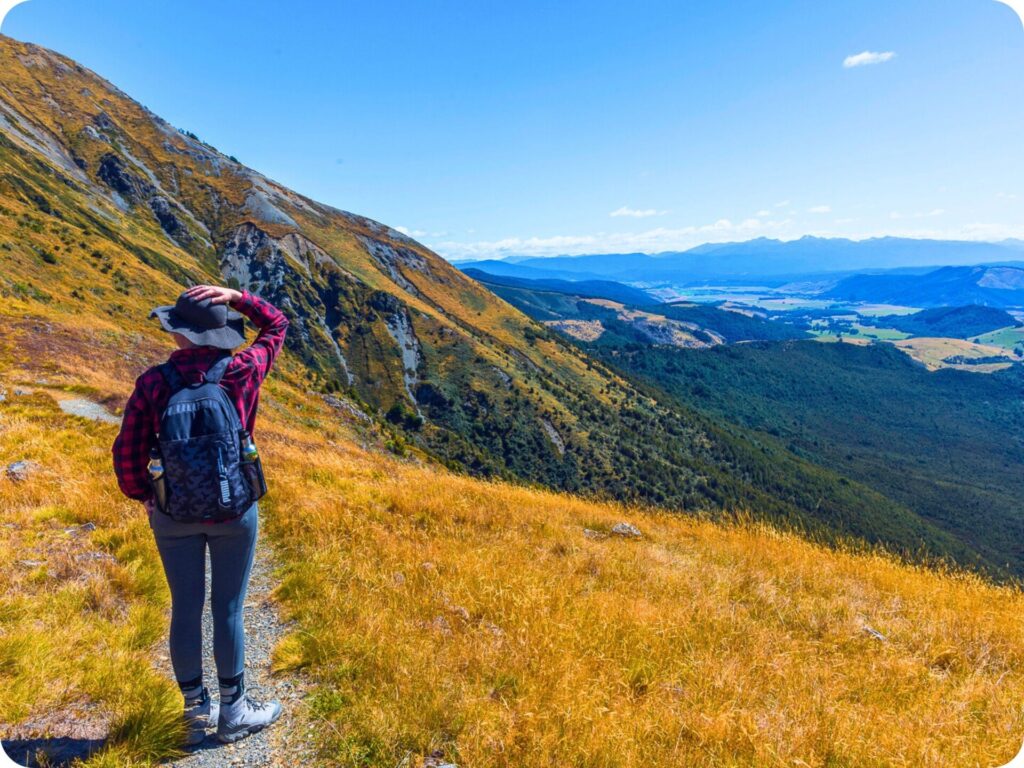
(428, 614)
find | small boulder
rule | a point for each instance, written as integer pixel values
(590, 533)
(19, 471)
(436, 759)
(78, 530)
(627, 530)
(440, 624)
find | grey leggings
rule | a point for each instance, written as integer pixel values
(182, 549)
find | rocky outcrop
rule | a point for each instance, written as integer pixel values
(133, 190)
(297, 275)
(393, 260)
(399, 325)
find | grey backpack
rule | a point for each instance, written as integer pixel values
(200, 441)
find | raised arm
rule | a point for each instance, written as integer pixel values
(270, 321)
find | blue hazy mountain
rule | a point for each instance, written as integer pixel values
(759, 259)
(987, 285)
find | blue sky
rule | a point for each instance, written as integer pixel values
(493, 129)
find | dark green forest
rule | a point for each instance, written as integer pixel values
(947, 445)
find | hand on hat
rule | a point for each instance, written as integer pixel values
(215, 293)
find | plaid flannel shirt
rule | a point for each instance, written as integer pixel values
(241, 381)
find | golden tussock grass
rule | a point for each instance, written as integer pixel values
(80, 608)
(439, 612)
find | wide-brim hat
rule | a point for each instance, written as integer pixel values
(203, 323)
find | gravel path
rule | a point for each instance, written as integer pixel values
(281, 744)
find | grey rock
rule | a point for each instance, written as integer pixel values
(627, 530)
(590, 533)
(78, 530)
(875, 633)
(19, 471)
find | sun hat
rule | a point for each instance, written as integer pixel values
(202, 322)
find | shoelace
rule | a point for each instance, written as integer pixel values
(257, 705)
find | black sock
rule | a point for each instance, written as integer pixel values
(191, 689)
(231, 688)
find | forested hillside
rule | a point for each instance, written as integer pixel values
(946, 444)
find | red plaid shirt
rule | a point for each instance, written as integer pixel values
(241, 381)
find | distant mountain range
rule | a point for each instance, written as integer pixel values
(992, 286)
(761, 259)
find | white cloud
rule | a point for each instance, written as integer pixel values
(412, 232)
(820, 209)
(761, 214)
(866, 58)
(1005, 196)
(635, 213)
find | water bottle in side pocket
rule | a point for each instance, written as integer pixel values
(157, 479)
(252, 467)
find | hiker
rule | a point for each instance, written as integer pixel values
(185, 451)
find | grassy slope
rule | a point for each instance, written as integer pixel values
(441, 612)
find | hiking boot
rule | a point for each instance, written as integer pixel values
(201, 713)
(241, 715)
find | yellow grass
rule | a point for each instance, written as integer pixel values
(438, 612)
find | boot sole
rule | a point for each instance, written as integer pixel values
(232, 737)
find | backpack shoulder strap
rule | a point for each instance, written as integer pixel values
(172, 376)
(216, 371)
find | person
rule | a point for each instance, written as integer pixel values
(205, 330)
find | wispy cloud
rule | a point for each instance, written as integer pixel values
(415, 232)
(820, 209)
(763, 213)
(649, 241)
(636, 213)
(866, 58)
